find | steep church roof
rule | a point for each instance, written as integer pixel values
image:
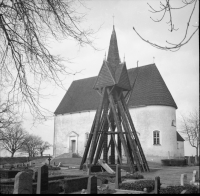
(113, 72)
(149, 89)
(146, 84)
(113, 52)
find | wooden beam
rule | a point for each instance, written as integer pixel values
(131, 142)
(88, 143)
(99, 111)
(116, 118)
(99, 146)
(111, 132)
(113, 137)
(103, 130)
(135, 134)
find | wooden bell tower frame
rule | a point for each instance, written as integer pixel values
(113, 118)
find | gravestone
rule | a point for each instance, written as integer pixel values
(92, 185)
(183, 179)
(23, 183)
(157, 185)
(195, 176)
(99, 182)
(117, 176)
(42, 179)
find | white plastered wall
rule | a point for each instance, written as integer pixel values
(180, 149)
(151, 118)
(146, 120)
(71, 127)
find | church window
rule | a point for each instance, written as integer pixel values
(156, 137)
(86, 137)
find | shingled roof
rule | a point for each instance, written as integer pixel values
(146, 84)
(149, 89)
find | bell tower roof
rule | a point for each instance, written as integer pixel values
(113, 52)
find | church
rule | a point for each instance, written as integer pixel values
(151, 106)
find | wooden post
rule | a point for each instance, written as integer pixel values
(115, 144)
(88, 143)
(93, 142)
(130, 141)
(117, 176)
(105, 144)
(120, 130)
(42, 179)
(92, 185)
(102, 139)
(157, 185)
(134, 133)
(120, 149)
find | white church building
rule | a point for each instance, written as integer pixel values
(151, 105)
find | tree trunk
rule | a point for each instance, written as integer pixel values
(12, 154)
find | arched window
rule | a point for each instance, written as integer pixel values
(156, 137)
(86, 137)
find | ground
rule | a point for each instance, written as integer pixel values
(168, 175)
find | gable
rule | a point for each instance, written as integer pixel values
(149, 89)
(105, 77)
(123, 81)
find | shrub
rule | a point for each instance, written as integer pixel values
(138, 185)
(54, 168)
(173, 162)
(74, 184)
(191, 189)
(133, 176)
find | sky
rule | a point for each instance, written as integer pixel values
(180, 70)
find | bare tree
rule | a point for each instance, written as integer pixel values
(7, 115)
(44, 146)
(32, 144)
(26, 26)
(13, 138)
(166, 8)
(190, 127)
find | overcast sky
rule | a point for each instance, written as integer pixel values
(180, 70)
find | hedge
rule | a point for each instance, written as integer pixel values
(174, 162)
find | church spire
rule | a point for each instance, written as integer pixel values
(113, 52)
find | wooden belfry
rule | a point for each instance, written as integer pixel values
(113, 117)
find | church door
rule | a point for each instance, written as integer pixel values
(73, 146)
